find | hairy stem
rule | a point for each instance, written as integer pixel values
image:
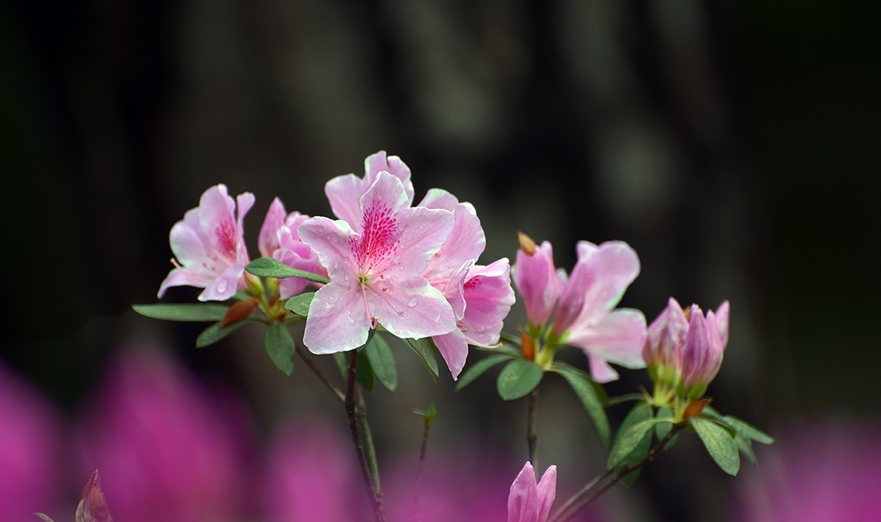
(595, 488)
(360, 430)
(531, 426)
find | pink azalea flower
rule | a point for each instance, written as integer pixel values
(30, 444)
(375, 270)
(209, 247)
(167, 449)
(488, 296)
(279, 239)
(583, 305)
(531, 502)
(344, 192)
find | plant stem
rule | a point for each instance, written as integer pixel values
(360, 430)
(317, 371)
(422, 451)
(531, 426)
(595, 488)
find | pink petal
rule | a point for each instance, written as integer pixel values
(177, 277)
(619, 337)
(337, 320)
(722, 319)
(523, 503)
(488, 297)
(666, 335)
(608, 271)
(344, 194)
(600, 370)
(331, 241)
(464, 244)
(547, 491)
(379, 162)
(226, 285)
(454, 349)
(424, 232)
(538, 282)
(411, 308)
(267, 241)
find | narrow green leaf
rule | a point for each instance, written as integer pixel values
(621, 399)
(630, 478)
(583, 387)
(632, 445)
(745, 446)
(382, 360)
(518, 378)
(43, 517)
(364, 372)
(216, 332)
(663, 428)
(747, 430)
(477, 369)
(182, 312)
(299, 304)
(719, 443)
(269, 267)
(425, 350)
(429, 414)
(280, 347)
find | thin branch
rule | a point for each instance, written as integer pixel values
(419, 471)
(352, 389)
(531, 426)
(317, 371)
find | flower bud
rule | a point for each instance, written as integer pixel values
(664, 341)
(527, 244)
(93, 505)
(239, 311)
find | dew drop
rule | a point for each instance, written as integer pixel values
(350, 319)
(221, 286)
(412, 302)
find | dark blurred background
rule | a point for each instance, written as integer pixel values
(734, 145)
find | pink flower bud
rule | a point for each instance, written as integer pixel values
(93, 505)
(703, 349)
(666, 336)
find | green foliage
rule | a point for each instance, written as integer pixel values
(182, 312)
(719, 442)
(429, 414)
(477, 369)
(424, 348)
(591, 398)
(634, 438)
(518, 378)
(663, 428)
(269, 267)
(216, 332)
(382, 361)
(280, 347)
(299, 304)
(364, 372)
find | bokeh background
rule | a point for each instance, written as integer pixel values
(734, 145)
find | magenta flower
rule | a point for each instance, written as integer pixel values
(344, 192)
(279, 239)
(488, 299)
(167, 449)
(531, 502)
(686, 347)
(375, 271)
(209, 247)
(583, 305)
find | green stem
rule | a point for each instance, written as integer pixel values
(360, 430)
(422, 451)
(531, 426)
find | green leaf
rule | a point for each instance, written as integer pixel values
(719, 443)
(216, 332)
(425, 350)
(584, 388)
(627, 397)
(43, 517)
(634, 438)
(746, 430)
(429, 414)
(382, 361)
(663, 428)
(364, 372)
(745, 446)
(269, 267)
(280, 347)
(299, 304)
(518, 378)
(477, 369)
(182, 312)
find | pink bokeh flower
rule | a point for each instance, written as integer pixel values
(209, 246)
(529, 501)
(166, 448)
(375, 271)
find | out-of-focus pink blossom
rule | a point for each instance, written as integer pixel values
(209, 247)
(279, 239)
(167, 450)
(311, 474)
(529, 501)
(376, 270)
(93, 505)
(828, 470)
(30, 434)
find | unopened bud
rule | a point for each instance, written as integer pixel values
(239, 311)
(93, 505)
(527, 244)
(527, 345)
(695, 408)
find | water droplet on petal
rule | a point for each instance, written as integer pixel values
(350, 319)
(221, 286)
(412, 302)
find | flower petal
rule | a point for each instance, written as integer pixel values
(547, 491)
(344, 194)
(488, 298)
(608, 271)
(337, 319)
(538, 282)
(267, 241)
(331, 241)
(523, 496)
(379, 162)
(411, 308)
(618, 337)
(454, 349)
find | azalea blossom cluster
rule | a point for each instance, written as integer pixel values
(410, 269)
(388, 265)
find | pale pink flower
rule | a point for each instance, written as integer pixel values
(537, 281)
(488, 296)
(344, 192)
(279, 239)
(167, 449)
(375, 271)
(529, 501)
(209, 247)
